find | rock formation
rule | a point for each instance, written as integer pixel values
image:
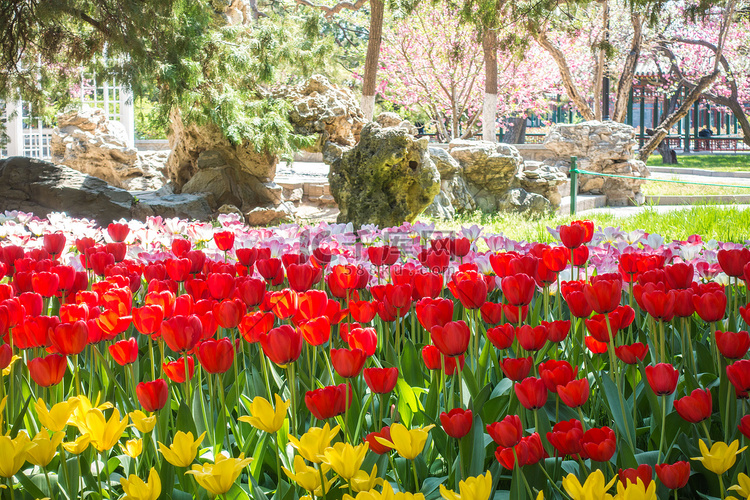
(320, 107)
(605, 147)
(386, 179)
(87, 141)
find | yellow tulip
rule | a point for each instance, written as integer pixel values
(56, 418)
(45, 449)
(183, 450)
(79, 445)
(78, 418)
(132, 447)
(142, 422)
(408, 443)
(313, 443)
(308, 477)
(345, 459)
(743, 486)
(401, 495)
(136, 489)
(13, 453)
(721, 457)
(593, 489)
(385, 494)
(362, 481)
(637, 491)
(13, 359)
(219, 477)
(105, 433)
(264, 417)
(473, 488)
(540, 496)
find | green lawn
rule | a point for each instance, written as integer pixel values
(724, 224)
(728, 163)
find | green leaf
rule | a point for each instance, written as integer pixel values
(472, 449)
(237, 493)
(185, 421)
(411, 365)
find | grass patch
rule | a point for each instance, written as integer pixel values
(673, 189)
(726, 163)
(711, 222)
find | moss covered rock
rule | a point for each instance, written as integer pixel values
(386, 179)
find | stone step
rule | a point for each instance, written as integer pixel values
(583, 202)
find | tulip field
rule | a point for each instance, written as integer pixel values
(175, 359)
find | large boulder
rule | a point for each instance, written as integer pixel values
(386, 179)
(391, 119)
(544, 180)
(454, 197)
(41, 187)
(87, 141)
(322, 108)
(488, 168)
(601, 147)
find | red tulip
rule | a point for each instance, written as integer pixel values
(175, 370)
(696, 407)
(572, 292)
(45, 284)
(216, 356)
(452, 339)
(643, 472)
(680, 276)
(595, 346)
(253, 325)
(566, 437)
(329, 401)
(554, 373)
(69, 338)
(428, 284)
(363, 338)
(317, 331)
(348, 363)
(182, 333)
(283, 304)
(739, 375)
(381, 380)
(555, 258)
(557, 331)
(220, 285)
(457, 422)
(518, 289)
(604, 295)
(6, 354)
(662, 378)
(345, 276)
(531, 393)
(310, 305)
(573, 235)
(733, 345)
(660, 304)
(384, 255)
(508, 432)
(514, 315)
(229, 313)
(224, 240)
(599, 444)
(375, 445)
(431, 356)
(574, 393)
(269, 268)
(436, 261)
(733, 261)
(252, 291)
(710, 305)
(34, 331)
(502, 336)
(47, 371)
(674, 476)
(631, 354)
(301, 276)
(152, 395)
(178, 269)
(432, 312)
(53, 243)
(282, 345)
(529, 452)
(362, 311)
(118, 232)
(744, 426)
(531, 338)
(469, 288)
(124, 352)
(516, 369)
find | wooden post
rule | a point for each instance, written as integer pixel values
(696, 125)
(629, 119)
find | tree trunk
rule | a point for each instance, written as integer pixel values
(628, 71)
(737, 110)
(517, 133)
(489, 109)
(668, 155)
(371, 60)
(567, 78)
(663, 129)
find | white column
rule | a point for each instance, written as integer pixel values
(14, 128)
(127, 115)
(489, 115)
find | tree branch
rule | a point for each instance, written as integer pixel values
(329, 12)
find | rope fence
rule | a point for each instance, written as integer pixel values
(574, 171)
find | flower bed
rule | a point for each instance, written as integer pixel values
(175, 359)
